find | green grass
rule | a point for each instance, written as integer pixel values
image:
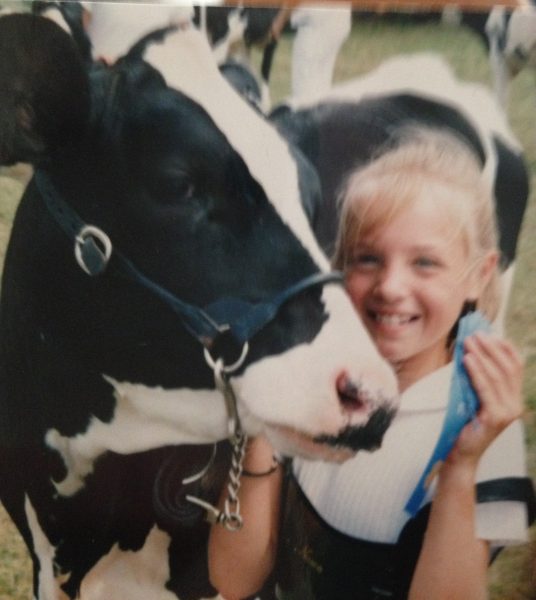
(512, 576)
(15, 582)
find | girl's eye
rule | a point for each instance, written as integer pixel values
(426, 262)
(365, 260)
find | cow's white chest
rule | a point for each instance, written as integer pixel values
(144, 418)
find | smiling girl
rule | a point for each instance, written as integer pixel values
(418, 246)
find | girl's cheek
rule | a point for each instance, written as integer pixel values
(354, 290)
(358, 302)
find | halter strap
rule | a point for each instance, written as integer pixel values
(243, 319)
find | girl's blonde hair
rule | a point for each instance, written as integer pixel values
(376, 193)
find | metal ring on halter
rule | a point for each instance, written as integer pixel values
(100, 236)
(227, 368)
(233, 522)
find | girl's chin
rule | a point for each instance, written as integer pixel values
(393, 355)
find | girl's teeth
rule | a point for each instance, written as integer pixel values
(392, 319)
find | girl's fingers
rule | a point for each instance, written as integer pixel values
(488, 389)
(496, 372)
(497, 351)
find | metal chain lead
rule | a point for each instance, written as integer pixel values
(230, 516)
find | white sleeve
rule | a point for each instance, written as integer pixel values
(502, 523)
(505, 521)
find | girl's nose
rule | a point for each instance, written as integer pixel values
(391, 283)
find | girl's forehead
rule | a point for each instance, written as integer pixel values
(430, 222)
(422, 197)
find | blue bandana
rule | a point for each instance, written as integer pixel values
(462, 408)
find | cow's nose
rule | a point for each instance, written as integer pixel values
(350, 396)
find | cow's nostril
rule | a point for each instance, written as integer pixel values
(349, 394)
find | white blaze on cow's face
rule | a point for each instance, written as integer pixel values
(299, 390)
(263, 150)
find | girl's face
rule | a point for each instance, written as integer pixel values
(409, 280)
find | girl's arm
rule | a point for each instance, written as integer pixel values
(453, 562)
(240, 561)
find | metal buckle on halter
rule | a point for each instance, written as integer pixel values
(92, 249)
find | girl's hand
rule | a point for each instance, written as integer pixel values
(496, 372)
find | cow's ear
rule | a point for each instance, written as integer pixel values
(20, 141)
(44, 89)
(28, 145)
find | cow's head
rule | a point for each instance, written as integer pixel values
(203, 197)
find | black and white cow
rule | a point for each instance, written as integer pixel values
(512, 45)
(508, 31)
(234, 30)
(231, 32)
(157, 192)
(509, 34)
(342, 131)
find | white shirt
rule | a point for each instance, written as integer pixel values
(365, 496)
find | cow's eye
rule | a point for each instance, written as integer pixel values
(173, 189)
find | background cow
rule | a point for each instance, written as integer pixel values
(509, 35)
(103, 378)
(234, 31)
(507, 32)
(341, 132)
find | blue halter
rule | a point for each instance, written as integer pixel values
(242, 319)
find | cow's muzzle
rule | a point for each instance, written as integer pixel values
(362, 437)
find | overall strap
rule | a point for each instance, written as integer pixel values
(519, 489)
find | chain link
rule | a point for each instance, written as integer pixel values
(230, 516)
(232, 520)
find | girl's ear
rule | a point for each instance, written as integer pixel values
(483, 274)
